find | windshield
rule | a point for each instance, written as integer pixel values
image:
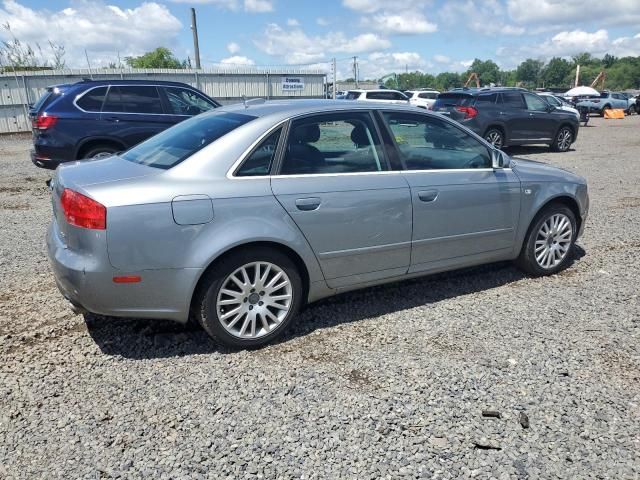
(169, 148)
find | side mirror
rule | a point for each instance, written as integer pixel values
(551, 108)
(499, 159)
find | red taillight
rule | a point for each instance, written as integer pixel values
(469, 112)
(82, 211)
(42, 122)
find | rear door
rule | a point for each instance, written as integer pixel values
(134, 113)
(335, 182)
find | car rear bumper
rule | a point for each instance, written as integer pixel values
(89, 285)
(43, 161)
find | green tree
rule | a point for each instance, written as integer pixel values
(447, 80)
(161, 57)
(487, 70)
(556, 72)
(608, 60)
(529, 72)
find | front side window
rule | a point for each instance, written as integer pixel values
(333, 143)
(427, 143)
(133, 99)
(92, 100)
(259, 161)
(352, 95)
(553, 101)
(186, 102)
(179, 142)
(535, 103)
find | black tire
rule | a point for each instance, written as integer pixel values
(632, 110)
(99, 151)
(563, 139)
(527, 261)
(495, 137)
(206, 312)
(606, 107)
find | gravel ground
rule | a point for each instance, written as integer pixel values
(383, 383)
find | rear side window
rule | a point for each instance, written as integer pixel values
(186, 102)
(352, 95)
(179, 142)
(260, 160)
(133, 99)
(486, 99)
(513, 100)
(92, 100)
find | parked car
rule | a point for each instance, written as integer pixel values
(240, 216)
(607, 100)
(559, 102)
(422, 98)
(381, 95)
(92, 118)
(634, 102)
(510, 116)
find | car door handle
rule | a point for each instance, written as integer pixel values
(307, 204)
(428, 195)
(112, 119)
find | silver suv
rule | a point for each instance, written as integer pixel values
(238, 217)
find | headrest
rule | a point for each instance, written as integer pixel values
(359, 135)
(306, 133)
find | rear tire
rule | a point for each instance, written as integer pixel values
(495, 137)
(606, 107)
(548, 246)
(99, 152)
(256, 313)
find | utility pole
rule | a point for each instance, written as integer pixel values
(335, 75)
(355, 70)
(196, 47)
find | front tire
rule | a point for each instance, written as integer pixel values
(495, 137)
(550, 241)
(249, 298)
(563, 140)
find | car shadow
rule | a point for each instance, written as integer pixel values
(140, 339)
(530, 150)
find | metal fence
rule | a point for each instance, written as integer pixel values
(18, 90)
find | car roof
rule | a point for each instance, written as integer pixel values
(284, 109)
(360, 90)
(92, 83)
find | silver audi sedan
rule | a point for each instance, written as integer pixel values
(239, 217)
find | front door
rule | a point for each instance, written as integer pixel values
(335, 182)
(542, 123)
(463, 210)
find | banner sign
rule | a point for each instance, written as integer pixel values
(292, 83)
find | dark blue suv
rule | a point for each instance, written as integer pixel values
(94, 118)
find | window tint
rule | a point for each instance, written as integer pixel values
(352, 95)
(260, 160)
(427, 143)
(428, 95)
(179, 142)
(513, 100)
(92, 100)
(186, 102)
(535, 103)
(398, 96)
(553, 101)
(133, 99)
(380, 95)
(491, 98)
(452, 100)
(333, 143)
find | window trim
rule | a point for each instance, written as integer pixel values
(480, 140)
(158, 87)
(384, 160)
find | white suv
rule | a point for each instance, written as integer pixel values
(422, 98)
(381, 95)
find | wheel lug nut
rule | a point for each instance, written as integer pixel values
(250, 307)
(253, 290)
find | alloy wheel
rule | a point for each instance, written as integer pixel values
(254, 300)
(553, 241)
(494, 138)
(564, 139)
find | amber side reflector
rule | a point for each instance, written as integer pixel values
(127, 279)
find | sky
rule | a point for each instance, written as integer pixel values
(386, 35)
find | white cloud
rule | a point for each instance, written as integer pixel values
(296, 47)
(258, 6)
(372, 6)
(403, 23)
(104, 30)
(378, 64)
(237, 60)
(292, 22)
(233, 48)
(441, 58)
(574, 11)
(487, 17)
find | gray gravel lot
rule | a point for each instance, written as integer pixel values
(383, 383)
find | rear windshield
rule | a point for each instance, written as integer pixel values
(452, 100)
(169, 148)
(46, 98)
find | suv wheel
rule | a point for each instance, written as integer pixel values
(100, 151)
(606, 107)
(495, 137)
(563, 140)
(249, 298)
(549, 243)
